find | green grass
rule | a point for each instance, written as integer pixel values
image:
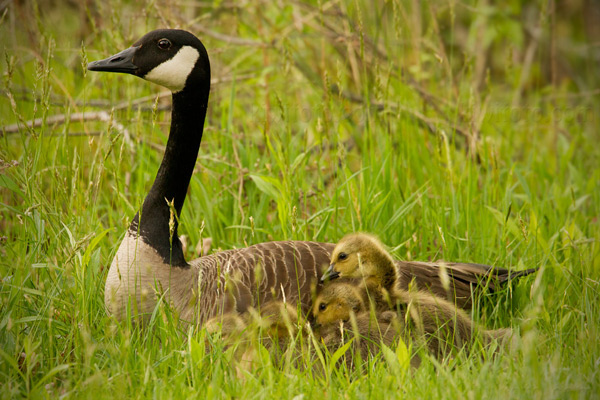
(466, 151)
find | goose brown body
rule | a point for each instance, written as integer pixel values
(231, 280)
(150, 266)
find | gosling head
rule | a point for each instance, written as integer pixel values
(172, 58)
(336, 302)
(360, 255)
(279, 319)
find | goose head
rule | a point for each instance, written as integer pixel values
(360, 255)
(172, 58)
(336, 302)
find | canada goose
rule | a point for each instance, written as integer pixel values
(360, 255)
(150, 265)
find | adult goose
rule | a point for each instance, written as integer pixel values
(149, 264)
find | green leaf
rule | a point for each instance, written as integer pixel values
(11, 361)
(297, 161)
(267, 185)
(507, 222)
(404, 208)
(392, 360)
(31, 318)
(340, 352)
(8, 183)
(196, 351)
(51, 373)
(403, 354)
(94, 242)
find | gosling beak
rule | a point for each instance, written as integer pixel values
(312, 321)
(330, 274)
(121, 62)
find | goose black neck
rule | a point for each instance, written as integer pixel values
(173, 177)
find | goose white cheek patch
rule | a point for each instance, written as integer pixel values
(173, 73)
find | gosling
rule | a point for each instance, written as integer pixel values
(340, 312)
(362, 257)
(278, 324)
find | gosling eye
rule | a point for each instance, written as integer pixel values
(164, 44)
(342, 256)
(322, 307)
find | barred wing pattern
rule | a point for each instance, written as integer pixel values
(464, 279)
(241, 278)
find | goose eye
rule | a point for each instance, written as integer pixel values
(322, 307)
(342, 256)
(164, 44)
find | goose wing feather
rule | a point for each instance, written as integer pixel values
(235, 280)
(464, 278)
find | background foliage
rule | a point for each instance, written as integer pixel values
(462, 130)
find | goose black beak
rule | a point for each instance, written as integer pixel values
(121, 62)
(329, 275)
